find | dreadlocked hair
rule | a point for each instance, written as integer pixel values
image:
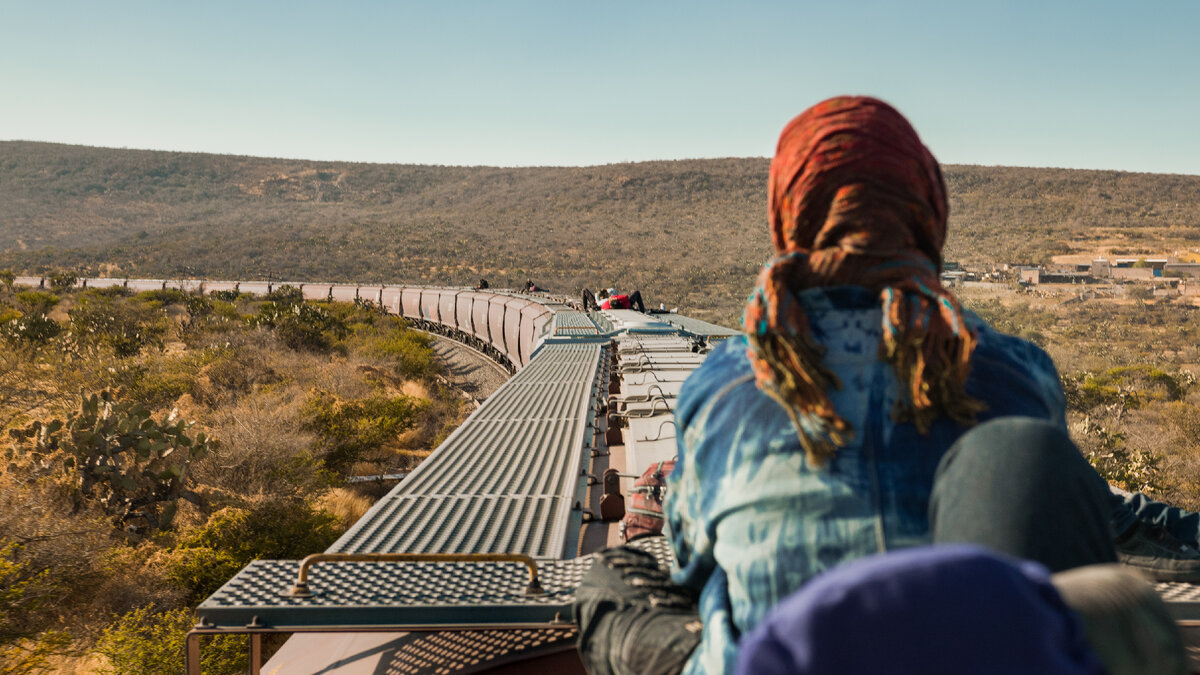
(925, 339)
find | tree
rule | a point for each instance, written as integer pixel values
(301, 326)
(61, 281)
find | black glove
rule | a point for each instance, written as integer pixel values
(632, 619)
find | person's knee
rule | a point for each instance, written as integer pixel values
(1021, 447)
(1020, 486)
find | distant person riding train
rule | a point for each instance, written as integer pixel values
(609, 298)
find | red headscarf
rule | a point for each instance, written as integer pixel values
(855, 198)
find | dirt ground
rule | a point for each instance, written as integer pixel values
(468, 371)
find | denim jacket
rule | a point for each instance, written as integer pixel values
(750, 520)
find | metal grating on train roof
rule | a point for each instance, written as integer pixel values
(504, 458)
(1183, 600)
(465, 523)
(403, 595)
(698, 327)
(506, 480)
(571, 322)
(471, 651)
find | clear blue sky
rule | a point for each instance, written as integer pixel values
(1110, 85)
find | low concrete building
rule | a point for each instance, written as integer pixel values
(1133, 273)
(1181, 269)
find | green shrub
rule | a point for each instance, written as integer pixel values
(198, 307)
(164, 296)
(1185, 419)
(109, 292)
(25, 590)
(277, 528)
(346, 430)
(146, 642)
(32, 655)
(224, 308)
(36, 302)
(239, 369)
(1129, 386)
(30, 329)
(124, 326)
(19, 582)
(301, 326)
(201, 570)
(61, 281)
(286, 295)
(410, 352)
(158, 389)
(160, 381)
(1127, 468)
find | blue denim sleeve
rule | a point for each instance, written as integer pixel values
(1016, 376)
(685, 509)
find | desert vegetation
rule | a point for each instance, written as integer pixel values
(155, 443)
(1129, 371)
(690, 234)
(219, 414)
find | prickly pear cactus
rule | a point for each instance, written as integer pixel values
(115, 454)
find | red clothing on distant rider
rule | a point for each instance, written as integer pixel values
(619, 301)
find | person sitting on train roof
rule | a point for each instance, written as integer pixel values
(990, 613)
(608, 298)
(615, 300)
(815, 438)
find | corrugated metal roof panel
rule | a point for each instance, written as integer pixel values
(698, 327)
(462, 524)
(506, 479)
(571, 322)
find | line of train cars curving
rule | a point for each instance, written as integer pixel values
(505, 326)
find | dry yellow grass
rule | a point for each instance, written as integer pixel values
(346, 504)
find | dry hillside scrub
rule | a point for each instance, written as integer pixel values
(210, 431)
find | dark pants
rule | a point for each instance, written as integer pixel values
(635, 302)
(1017, 485)
(589, 302)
